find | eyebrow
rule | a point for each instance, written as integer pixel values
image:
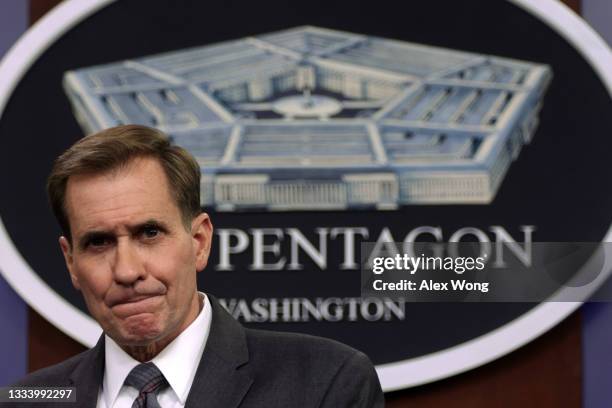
(133, 229)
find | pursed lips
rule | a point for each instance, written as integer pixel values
(135, 305)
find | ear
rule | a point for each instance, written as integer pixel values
(201, 234)
(67, 251)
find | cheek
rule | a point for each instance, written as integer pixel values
(180, 285)
(173, 265)
(94, 282)
(174, 274)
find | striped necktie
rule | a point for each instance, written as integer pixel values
(148, 380)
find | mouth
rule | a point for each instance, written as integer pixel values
(136, 305)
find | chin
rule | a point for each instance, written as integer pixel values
(139, 332)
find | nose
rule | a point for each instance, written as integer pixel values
(128, 266)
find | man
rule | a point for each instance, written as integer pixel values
(134, 237)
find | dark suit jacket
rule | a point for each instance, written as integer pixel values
(244, 368)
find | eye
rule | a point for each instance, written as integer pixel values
(98, 242)
(150, 232)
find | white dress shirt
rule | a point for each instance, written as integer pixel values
(178, 361)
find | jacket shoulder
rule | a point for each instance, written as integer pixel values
(57, 374)
(282, 347)
(317, 371)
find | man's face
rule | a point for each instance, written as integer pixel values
(131, 255)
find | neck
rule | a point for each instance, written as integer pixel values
(147, 352)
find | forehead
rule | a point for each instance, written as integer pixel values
(140, 189)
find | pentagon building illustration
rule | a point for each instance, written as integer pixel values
(312, 118)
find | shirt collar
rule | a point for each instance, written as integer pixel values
(178, 361)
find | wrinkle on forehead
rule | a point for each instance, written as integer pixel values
(139, 189)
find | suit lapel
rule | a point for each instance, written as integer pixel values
(222, 378)
(88, 375)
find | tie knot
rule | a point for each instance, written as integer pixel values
(146, 378)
